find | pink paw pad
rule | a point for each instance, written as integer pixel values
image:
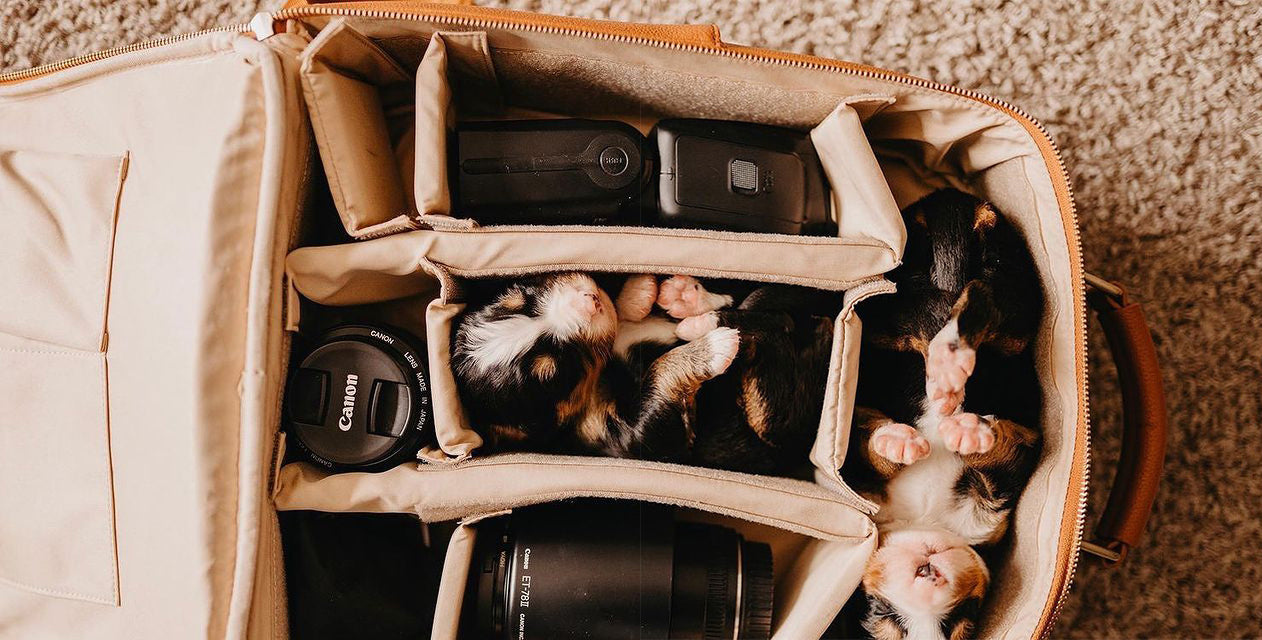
(899, 443)
(637, 297)
(690, 329)
(948, 364)
(684, 297)
(966, 433)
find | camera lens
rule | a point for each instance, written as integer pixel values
(359, 400)
(615, 570)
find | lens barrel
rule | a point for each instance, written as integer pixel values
(615, 570)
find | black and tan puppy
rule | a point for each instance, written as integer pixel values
(550, 364)
(947, 392)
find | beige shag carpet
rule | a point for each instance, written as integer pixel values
(1157, 106)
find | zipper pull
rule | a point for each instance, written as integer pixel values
(263, 26)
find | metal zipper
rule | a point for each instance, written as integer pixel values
(837, 66)
(54, 67)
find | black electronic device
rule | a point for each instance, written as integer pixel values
(739, 176)
(360, 399)
(548, 171)
(615, 570)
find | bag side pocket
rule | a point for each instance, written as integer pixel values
(57, 534)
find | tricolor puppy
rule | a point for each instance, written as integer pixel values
(923, 583)
(947, 385)
(670, 371)
(537, 369)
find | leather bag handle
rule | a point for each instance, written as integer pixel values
(1138, 475)
(695, 35)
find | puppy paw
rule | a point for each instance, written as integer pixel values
(966, 433)
(948, 364)
(722, 344)
(684, 297)
(899, 443)
(690, 329)
(636, 299)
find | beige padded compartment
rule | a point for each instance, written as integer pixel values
(400, 265)
(822, 543)
(57, 527)
(928, 137)
(359, 100)
(813, 576)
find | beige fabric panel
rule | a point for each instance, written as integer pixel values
(926, 138)
(811, 586)
(190, 117)
(447, 492)
(54, 272)
(389, 267)
(343, 77)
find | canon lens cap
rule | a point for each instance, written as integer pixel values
(360, 401)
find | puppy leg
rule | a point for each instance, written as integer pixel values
(684, 297)
(883, 446)
(638, 295)
(663, 427)
(987, 442)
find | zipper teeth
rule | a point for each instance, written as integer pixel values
(62, 65)
(845, 67)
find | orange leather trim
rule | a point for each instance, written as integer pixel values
(1144, 425)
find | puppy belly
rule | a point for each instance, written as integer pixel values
(923, 494)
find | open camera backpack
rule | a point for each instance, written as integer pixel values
(163, 207)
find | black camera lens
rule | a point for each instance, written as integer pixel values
(615, 571)
(359, 400)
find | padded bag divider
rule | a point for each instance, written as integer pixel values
(456, 65)
(402, 264)
(349, 84)
(810, 589)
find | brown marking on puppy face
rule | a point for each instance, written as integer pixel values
(984, 217)
(755, 405)
(513, 300)
(874, 575)
(544, 367)
(971, 581)
(886, 629)
(900, 343)
(963, 630)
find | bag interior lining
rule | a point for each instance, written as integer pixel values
(924, 139)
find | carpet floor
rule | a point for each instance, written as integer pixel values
(1157, 107)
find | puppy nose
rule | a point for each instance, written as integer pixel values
(588, 303)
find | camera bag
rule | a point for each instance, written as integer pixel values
(176, 210)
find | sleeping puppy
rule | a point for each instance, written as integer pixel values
(947, 387)
(923, 583)
(550, 364)
(536, 370)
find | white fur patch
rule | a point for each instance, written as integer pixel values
(500, 343)
(922, 494)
